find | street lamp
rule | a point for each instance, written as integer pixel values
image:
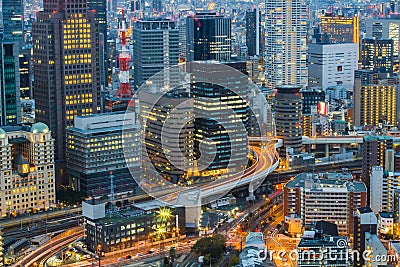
(99, 252)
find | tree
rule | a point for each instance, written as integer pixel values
(215, 246)
(233, 260)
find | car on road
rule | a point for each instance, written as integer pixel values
(139, 255)
(128, 257)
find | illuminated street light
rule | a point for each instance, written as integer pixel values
(164, 214)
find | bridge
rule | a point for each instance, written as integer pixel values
(266, 161)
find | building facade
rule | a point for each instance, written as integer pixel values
(134, 226)
(377, 55)
(172, 118)
(365, 225)
(99, 8)
(385, 28)
(385, 183)
(375, 104)
(155, 48)
(332, 64)
(286, 44)
(374, 153)
(332, 197)
(28, 171)
(322, 251)
(340, 29)
(288, 118)
(221, 108)
(13, 20)
(66, 66)
(208, 37)
(97, 145)
(10, 94)
(255, 36)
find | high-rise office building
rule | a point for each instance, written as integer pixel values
(208, 37)
(220, 108)
(13, 12)
(288, 118)
(340, 29)
(155, 48)
(255, 39)
(27, 165)
(385, 28)
(95, 148)
(182, 38)
(24, 73)
(286, 43)
(99, 8)
(10, 47)
(332, 197)
(377, 55)
(375, 104)
(332, 64)
(162, 122)
(10, 95)
(66, 67)
(374, 154)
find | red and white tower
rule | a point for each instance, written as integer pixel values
(125, 90)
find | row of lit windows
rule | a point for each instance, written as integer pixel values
(77, 46)
(77, 31)
(79, 101)
(78, 96)
(77, 38)
(71, 23)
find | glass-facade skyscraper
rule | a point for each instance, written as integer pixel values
(208, 37)
(10, 100)
(255, 39)
(155, 47)
(10, 46)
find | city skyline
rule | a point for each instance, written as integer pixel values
(192, 133)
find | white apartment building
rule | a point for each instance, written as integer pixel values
(286, 43)
(331, 197)
(382, 192)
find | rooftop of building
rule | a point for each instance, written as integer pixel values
(123, 216)
(38, 127)
(150, 205)
(364, 210)
(396, 245)
(367, 216)
(386, 215)
(316, 89)
(104, 123)
(254, 238)
(249, 257)
(310, 240)
(378, 138)
(326, 181)
(206, 14)
(99, 115)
